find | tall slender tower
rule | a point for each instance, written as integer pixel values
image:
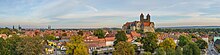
(13, 27)
(142, 17)
(148, 17)
(19, 27)
(49, 27)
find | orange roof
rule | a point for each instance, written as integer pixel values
(146, 23)
(127, 24)
(129, 38)
(110, 38)
(135, 34)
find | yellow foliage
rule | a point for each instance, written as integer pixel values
(168, 43)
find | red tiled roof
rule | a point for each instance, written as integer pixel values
(135, 34)
(110, 38)
(146, 23)
(127, 24)
(129, 38)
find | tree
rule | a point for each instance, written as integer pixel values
(202, 44)
(124, 48)
(160, 51)
(30, 46)
(80, 33)
(76, 46)
(3, 48)
(178, 51)
(120, 36)
(191, 49)
(50, 37)
(147, 53)
(168, 43)
(5, 31)
(12, 43)
(195, 49)
(170, 51)
(100, 33)
(187, 50)
(149, 42)
(183, 40)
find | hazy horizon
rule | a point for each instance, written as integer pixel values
(110, 13)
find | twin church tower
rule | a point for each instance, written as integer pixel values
(144, 20)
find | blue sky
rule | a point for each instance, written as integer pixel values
(107, 13)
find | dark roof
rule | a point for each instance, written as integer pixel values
(217, 41)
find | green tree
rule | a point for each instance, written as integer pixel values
(120, 36)
(187, 50)
(160, 51)
(100, 33)
(178, 51)
(195, 49)
(168, 43)
(183, 40)
(5, 31)
(30, 46)
(3, 48)
(76, 46)
(149, 42)
(147, 53)
(202, 44)
(12, 43)
(170, 51)
(191, 49)
(124, 48)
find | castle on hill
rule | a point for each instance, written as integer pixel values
(144, 25)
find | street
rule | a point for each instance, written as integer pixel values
(211, 50)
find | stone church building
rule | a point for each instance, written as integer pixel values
(144, 25)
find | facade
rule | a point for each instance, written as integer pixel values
(144, 25)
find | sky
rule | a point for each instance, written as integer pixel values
(107, 13)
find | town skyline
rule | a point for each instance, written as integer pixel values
(99, 14)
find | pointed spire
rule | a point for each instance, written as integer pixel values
(142, 14)
(148, 14)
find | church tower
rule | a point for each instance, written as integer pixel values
(148, 17)
(142, 17)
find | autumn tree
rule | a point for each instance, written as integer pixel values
(168, 43)
(30, 46)
(120, 36)
(100, 33)
(124, 48)
(76, 46)
(149, 42)
(50, 37)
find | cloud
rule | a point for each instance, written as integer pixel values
(92, 8)
(194, 21)
(98, 13)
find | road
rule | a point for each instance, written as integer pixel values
(211, 50)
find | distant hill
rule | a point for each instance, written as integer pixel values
(189, 27)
